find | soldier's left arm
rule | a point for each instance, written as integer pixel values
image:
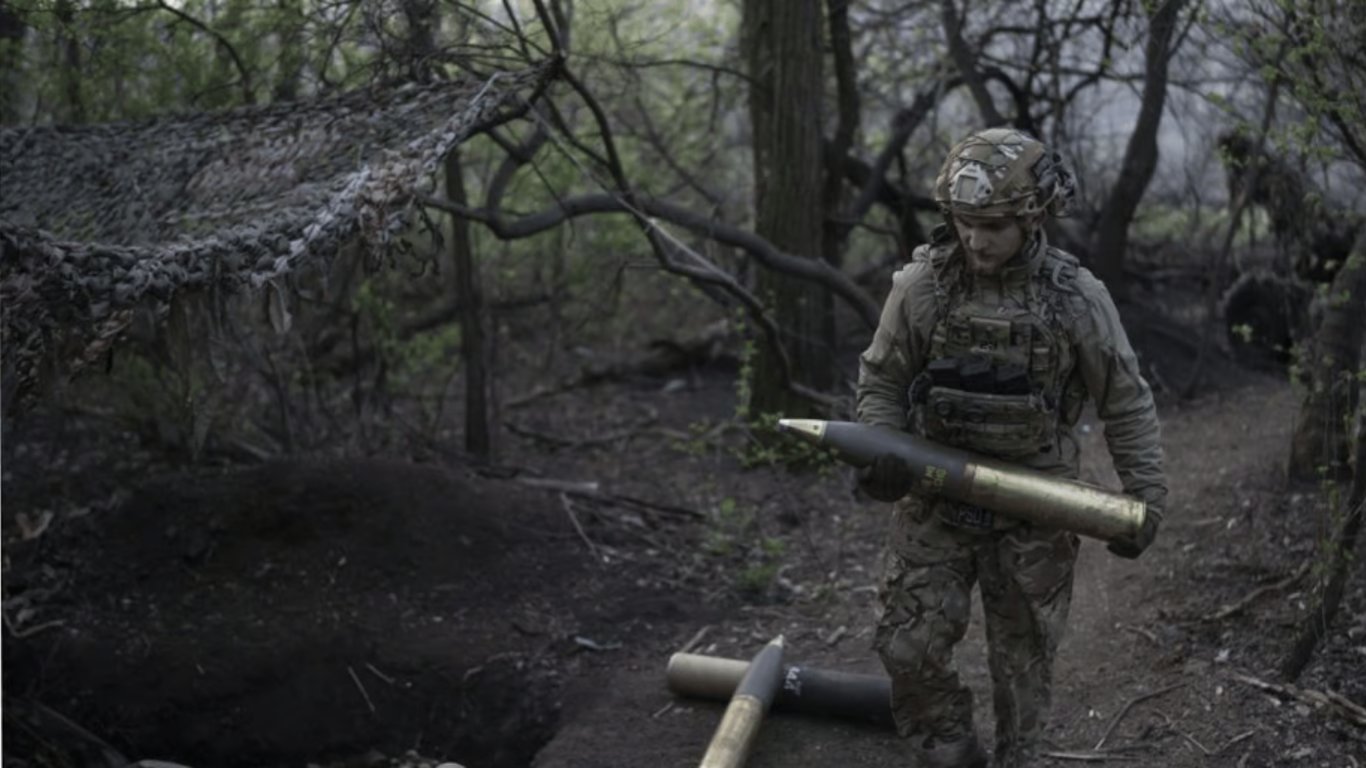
(1110, 371)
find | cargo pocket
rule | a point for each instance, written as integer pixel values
(1007, 426)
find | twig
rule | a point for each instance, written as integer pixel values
(1237, 739)
(1192, 740)
(563, 486)
(1089, 757)
(574, 518)
(1212, 752)
(1336, 703)
(1249, 598)
(28, 631)
(696, 638)
(361, 686)
(1120, 715)
(1137, 630)
(662, 710)
(379, 674)
(651, 506)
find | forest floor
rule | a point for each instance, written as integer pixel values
(410, 609)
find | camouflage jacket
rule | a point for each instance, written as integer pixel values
(1095, 359)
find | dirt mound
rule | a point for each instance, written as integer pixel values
(297, 610)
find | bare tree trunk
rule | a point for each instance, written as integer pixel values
(837, 150)
(291, 64)
(13, 86)
(1321, 439)
(782, 39)
(1140, 156)
(475, 349)
(1339, 551)
(421, 18)
(69, 49)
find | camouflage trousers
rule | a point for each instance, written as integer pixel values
(1025, 575)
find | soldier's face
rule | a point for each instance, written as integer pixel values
(989, 241)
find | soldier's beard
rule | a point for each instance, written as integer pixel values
(986, 263)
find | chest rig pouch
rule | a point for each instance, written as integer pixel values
(996, 376)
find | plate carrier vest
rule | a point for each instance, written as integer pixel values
(1000, 375)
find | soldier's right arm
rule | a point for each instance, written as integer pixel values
(899, 347)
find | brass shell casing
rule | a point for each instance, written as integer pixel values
(754, 694)
(1022, 493)
(735, 735)
(704, 677)
(1054, 503)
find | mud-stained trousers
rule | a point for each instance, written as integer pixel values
(1025, 575)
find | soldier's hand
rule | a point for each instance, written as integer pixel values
(1130, 549)
(886, 479)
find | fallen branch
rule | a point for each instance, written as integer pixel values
(697, 638)
(1334, 703)
(361, 687)
(1125, 711)
(1251, 597)
(1212, 752)
(18, 633)
(1147, 634)
(1090, 757)
(562, 486)
(574, 518)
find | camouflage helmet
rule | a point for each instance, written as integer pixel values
(1003, 172)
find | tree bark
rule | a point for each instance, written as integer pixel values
(1140, 156)
(966, 61)
(13, 83)
(69, 50)
(476, 350)
(1340, 552)
(291, 64)
(837, 149)
(1321, 440)
(782, 40)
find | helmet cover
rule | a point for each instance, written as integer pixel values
(1003, 172)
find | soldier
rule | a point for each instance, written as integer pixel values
(991, 340)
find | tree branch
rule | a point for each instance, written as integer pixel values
(962, 56)
(248, 97)
(763, 251)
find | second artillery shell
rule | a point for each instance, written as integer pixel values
(734, 737)
(1026, 494)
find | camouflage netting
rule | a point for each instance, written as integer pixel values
(96, 221)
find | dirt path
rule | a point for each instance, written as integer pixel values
(1141, 674)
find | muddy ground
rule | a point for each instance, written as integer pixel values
(409, 609)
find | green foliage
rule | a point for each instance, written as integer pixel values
(764, 445)
(102, 60)
(409, 357)
(733, 533)
(729, 527)
(1163, 223)
(700, 441)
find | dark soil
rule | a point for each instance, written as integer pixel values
(319, 611)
